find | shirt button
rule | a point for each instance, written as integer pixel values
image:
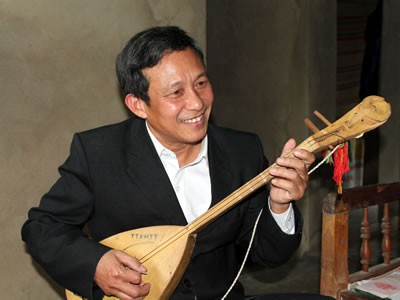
(177, 188)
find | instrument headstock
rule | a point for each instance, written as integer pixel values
(369, 114)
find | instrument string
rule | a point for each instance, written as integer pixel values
(214, 212)
(245, 190)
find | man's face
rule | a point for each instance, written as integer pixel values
(181, 98)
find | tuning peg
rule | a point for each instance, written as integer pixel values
(322, 118)
(311, 125)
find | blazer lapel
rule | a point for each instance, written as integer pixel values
(220, 171)
(146, 170)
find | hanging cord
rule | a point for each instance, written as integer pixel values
(256, 223)
(324, 160)
(245, 257)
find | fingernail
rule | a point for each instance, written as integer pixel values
(143, 270)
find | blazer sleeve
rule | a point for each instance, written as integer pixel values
(271, 246)
(53, 231)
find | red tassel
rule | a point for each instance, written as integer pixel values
(340, 165)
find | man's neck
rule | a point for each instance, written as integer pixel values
(185, 153)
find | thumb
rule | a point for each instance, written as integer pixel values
(288, 147)
(131, 262)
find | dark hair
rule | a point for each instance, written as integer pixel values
(145, 50)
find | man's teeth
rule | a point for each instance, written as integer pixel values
(194, 120)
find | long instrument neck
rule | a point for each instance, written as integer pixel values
(372, 112)
(240, 194)
(230, 201)
(217, 210)
(227, 203)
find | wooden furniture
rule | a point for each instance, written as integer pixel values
(335, 275)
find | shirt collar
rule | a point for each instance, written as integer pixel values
(161, 150)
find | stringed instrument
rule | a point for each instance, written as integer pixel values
(166, 250)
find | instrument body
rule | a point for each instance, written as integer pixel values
(165, 266)
(166, 250)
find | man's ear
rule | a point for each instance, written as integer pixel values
(136, 105)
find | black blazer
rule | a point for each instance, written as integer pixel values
(113, 181)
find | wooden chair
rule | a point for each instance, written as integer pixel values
(335, 275)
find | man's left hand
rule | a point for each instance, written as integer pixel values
(290, 177)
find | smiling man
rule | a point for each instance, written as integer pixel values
(180, 106)
(164, 166)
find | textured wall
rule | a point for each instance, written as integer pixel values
(57, 77)
(389, 156)
(274, 63)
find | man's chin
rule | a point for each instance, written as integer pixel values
(196, 140)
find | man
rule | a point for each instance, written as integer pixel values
(166, 165)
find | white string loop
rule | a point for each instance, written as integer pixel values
(256, 223)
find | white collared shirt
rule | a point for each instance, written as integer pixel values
(192, 184)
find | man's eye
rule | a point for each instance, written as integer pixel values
(176, 93)
(201, 84)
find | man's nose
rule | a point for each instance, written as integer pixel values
(194, 101)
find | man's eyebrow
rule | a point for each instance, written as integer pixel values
(174, 84)
(202, 74)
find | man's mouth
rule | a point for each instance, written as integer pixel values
(193, 120)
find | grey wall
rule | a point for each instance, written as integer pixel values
(272, 64)
(57, 77)
(389, 155)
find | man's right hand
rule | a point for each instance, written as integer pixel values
(119, 274)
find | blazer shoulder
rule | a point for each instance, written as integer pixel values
(110, 140)
(239, 146)
(107, 131)
(233, 137)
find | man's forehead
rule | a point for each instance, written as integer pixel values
(171, 69)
